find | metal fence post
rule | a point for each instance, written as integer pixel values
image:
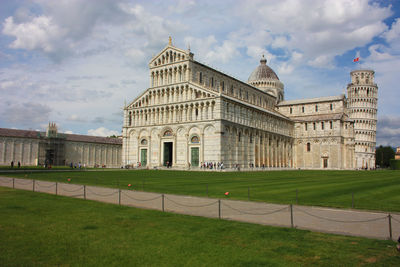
(84, 191)
(390, 226)
(162, 202)
(291, 216)
(219, 208)
(33, 185)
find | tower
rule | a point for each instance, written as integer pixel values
(362, 105)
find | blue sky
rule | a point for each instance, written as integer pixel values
(75, 62)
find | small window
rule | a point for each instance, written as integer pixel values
(143, 142)
(195, 139)
(302, 109)
(308, 147)
(212, 82)
(305, 126)
(316, 108)
(167, 133)
(291, 110)
(251, 139)
(130, 118)
(314, 125)
(331, 124)
(197, 112)
(239, 137)
(322, 125)
(200, 77)
(331, 106)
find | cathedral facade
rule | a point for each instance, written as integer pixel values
(192, 114)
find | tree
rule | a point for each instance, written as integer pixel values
(383, 156)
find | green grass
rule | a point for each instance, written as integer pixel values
(47, 230)
(374, 190)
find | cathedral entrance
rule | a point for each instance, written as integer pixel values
(167, 154)
(194, 159)
(325, 162)
(143, 157)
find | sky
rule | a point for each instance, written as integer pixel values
(77, 62)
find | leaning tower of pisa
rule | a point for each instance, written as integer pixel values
(362, 106)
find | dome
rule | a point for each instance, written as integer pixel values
(262, 72)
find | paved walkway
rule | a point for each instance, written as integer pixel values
(378, 225)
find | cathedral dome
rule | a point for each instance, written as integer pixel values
(262, 72)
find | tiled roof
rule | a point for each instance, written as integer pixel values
(69, 137)
(311, 100)
(19, 133)
(324, 117)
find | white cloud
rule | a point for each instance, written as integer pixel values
(320, 30)
(40, 33)
(101, 131)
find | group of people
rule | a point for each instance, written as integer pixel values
(12, 164)
(79, 165)
(212, 165)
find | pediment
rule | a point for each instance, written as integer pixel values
(145, 99)
(169, 54)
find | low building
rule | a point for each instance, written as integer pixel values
(33, 148)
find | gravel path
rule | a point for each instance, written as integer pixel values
(347, 222)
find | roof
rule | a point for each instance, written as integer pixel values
(69, 137)
(19, 133)
(311, 100)
(319, 117)
(262, 72)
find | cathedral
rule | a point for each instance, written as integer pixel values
(192, 114)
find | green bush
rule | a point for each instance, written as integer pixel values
(395, 164)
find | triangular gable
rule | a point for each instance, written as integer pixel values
(163, 52)
(207, 92)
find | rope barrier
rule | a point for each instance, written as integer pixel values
(192, 206)
(9, 180)
(250, 213)
(29, 182)
(150, 199)
(395, 219)
(339, 221)
(75, 190)
(45, 186)
(102, 195)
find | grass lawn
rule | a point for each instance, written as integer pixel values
(47, 230)
(374, 190)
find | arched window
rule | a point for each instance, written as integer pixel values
(143, 142)
(130, 118)
(167, 133)
(195, 139)
(308, 147)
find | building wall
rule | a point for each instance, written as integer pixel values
(91, 154)
(23, 150)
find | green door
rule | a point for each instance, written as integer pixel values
(143, 157)
(195, 157)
